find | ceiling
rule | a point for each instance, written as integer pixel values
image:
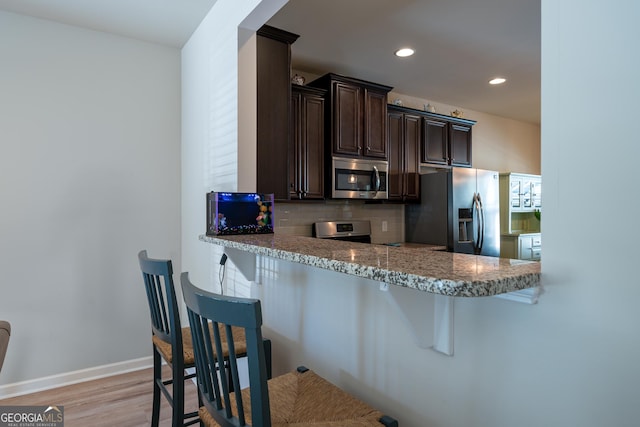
(459, 44)
(168, 22)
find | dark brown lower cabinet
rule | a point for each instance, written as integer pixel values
(405, 137)
(306, 157)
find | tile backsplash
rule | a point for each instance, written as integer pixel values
(298, 218)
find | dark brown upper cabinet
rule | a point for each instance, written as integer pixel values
(306, 160)
(447, 141)
(436, 141)
(460, 144)
(405, 139)
(356, 116)
(273, 99)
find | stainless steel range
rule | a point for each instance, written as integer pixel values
(353, 231)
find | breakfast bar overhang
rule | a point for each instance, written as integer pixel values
(439, 276)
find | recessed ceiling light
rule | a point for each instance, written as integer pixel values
(404, 52)
(497, 81)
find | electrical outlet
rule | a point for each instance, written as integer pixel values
(384, 226)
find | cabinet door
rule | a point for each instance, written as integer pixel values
(306, 160)
(536, 193)
(525, 193)
(434, 149)
(515, 190)
(396, 143)
(375, 132)
(526, 187)
(312, 168)
(460, 145)
(530, 247)
(347, 119)
(295, 155)
(412, 139)
(524, 247)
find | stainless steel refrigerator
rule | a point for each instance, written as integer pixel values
(460, 209)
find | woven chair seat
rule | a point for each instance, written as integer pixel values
(187, 345)
(306, 399)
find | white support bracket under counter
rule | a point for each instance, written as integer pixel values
(525, 296)
(244, 261)
(428, 316)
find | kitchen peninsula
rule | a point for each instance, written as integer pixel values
(423, 269)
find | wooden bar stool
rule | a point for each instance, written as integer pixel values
(172, 342)
(300, 398)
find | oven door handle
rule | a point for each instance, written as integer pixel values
(376, 180)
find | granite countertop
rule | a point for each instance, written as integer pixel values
(424, 269)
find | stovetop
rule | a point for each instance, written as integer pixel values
(342, 229)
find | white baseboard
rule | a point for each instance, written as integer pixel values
(74, 377)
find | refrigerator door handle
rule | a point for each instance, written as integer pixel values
(481, 233)
(479, 227)
(476, 222)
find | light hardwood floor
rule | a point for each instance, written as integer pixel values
(121, 400)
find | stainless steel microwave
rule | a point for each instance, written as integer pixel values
(359, 178)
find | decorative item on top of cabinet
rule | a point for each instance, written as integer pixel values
(356, 114)
(306, 157)
(273, 99)
(447, 141)
(405, 136)
(297, 79)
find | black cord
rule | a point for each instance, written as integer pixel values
(221, 272)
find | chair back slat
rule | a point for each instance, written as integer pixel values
(163, 305)
(203, 369)
(157, 305)
(163, 321)
(215, 314)
(233, 368)
(221, 388)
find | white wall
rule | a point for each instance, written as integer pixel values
(216, 114)
(589, 340)
(89, 175)
(505, 145)
(572, 359)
